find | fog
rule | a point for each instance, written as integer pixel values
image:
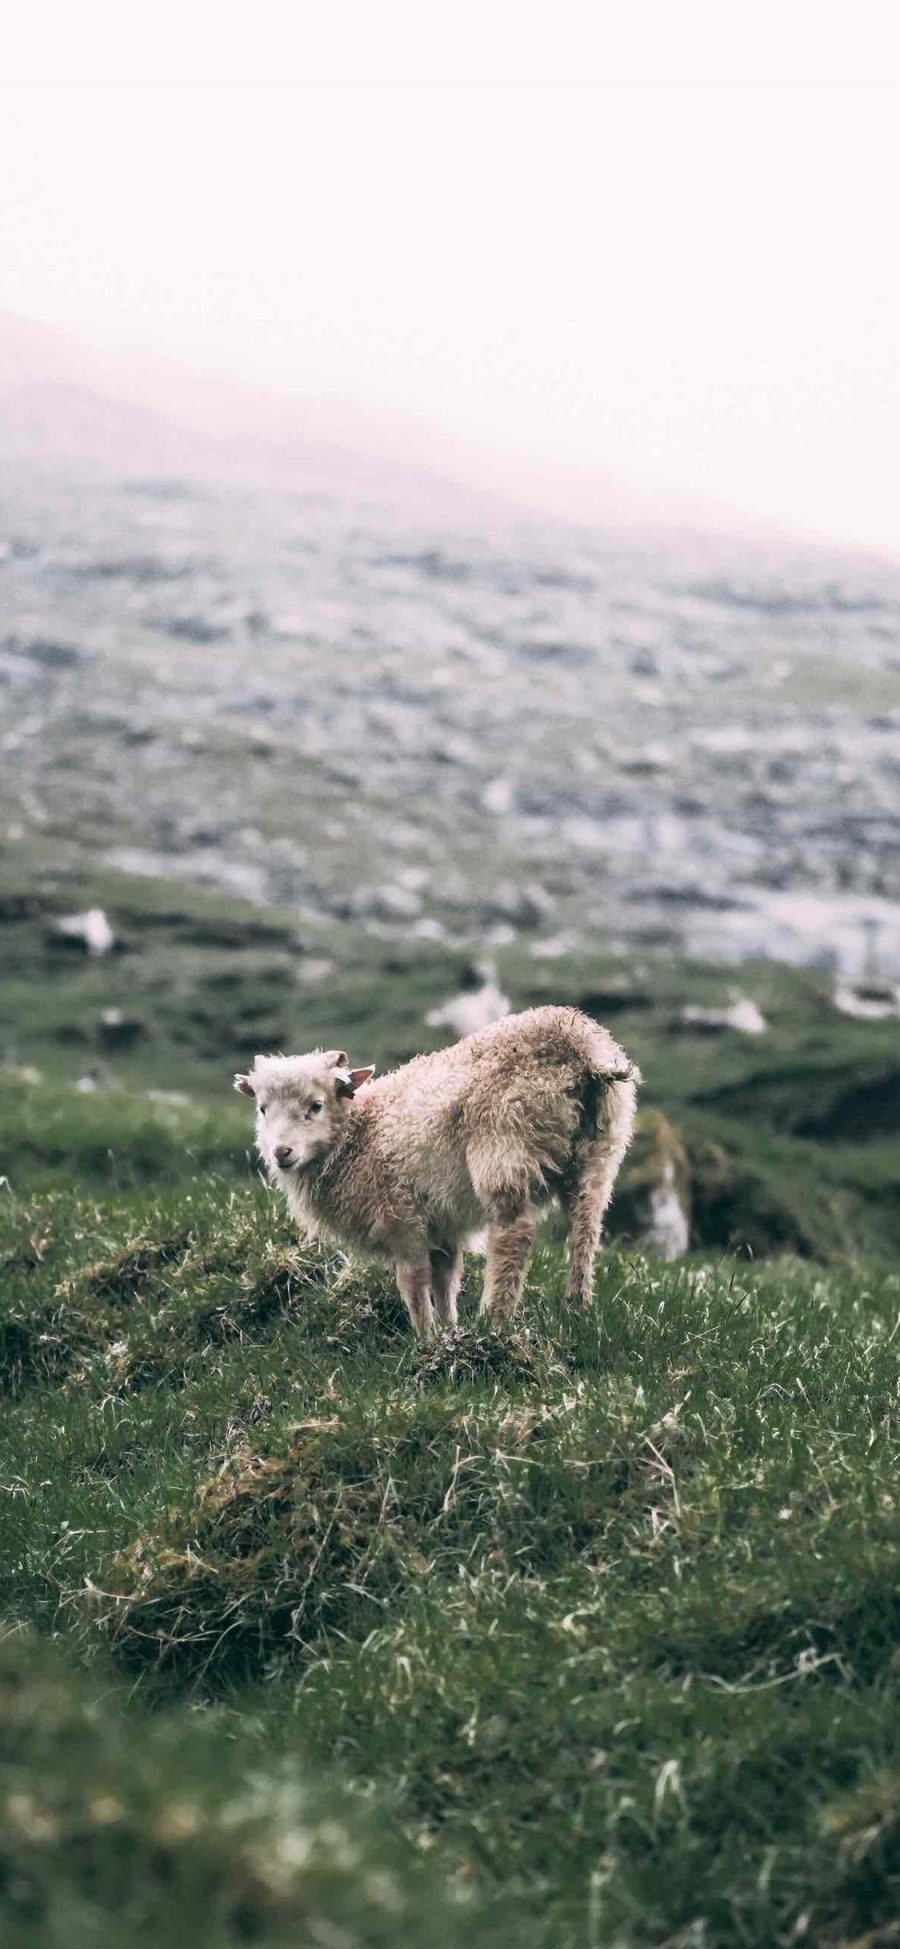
(594, 259)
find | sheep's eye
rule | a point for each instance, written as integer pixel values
(314, 1109)
(261, 1108)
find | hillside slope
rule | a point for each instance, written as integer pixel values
(785, 1151)
(601, 1613)
(582, 1633)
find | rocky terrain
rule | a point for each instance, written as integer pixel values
(455, 733)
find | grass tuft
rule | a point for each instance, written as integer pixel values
(471, 1354)
(117, 1281)
(273, 1547)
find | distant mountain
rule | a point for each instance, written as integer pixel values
(75, 429)
(63, 407)
(66, 406)
(65, 425)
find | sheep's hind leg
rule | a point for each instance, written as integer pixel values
(414, 1282)
(510, 1239)
(585, 1213)
(446, 1275)
(587, 1202)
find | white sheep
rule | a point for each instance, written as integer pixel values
(482, 1001)
(535, 1106)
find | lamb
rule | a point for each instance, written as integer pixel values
(535, 1106)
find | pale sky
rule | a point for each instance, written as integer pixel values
(657, 243)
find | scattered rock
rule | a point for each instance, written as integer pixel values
(868, 1001)
(90, 1081)
(521, 906)
(554, 947)
(46, 651)
(497, 797)
(741, 1014)
(193, 629)
(453, 750)
(317, 968)
(90, 930)
(386, 903)
(142, 569)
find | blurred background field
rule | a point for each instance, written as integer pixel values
(784, 1136)
(473, 723)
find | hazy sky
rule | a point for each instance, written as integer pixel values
(655, 242)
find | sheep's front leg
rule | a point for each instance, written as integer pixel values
(414, 1281)
(446, 1275)
(510, 1239)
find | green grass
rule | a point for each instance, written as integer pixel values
(599, 1616)
(118, 1826)
(792, 1138)
(582, 1635)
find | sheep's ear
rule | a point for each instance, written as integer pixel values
(337, 1058)
(245, 1086)
(352, 1079)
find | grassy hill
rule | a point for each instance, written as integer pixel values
(590, 1628)
(792, 1137)
(580, 1634)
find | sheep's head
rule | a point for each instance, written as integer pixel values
(302, 1103)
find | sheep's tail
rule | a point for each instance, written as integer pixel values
(609, 1094)
(618, 1069)
(609, 1106)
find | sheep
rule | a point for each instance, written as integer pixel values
(481, 1001)
(534, 1106)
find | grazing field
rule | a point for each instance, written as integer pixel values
(581, 1634)
(578, 1635)
(792, 1136)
